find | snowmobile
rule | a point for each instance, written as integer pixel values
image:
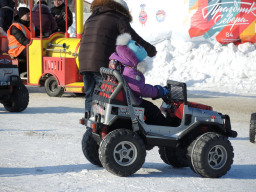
(13, 93)
(117, 136)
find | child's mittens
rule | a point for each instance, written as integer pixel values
(162, 91)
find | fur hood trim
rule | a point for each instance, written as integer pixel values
(142, 67)
(123, 39)
(114, 5)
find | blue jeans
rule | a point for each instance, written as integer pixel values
(90, 81)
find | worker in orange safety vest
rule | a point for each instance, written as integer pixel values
(19, 35)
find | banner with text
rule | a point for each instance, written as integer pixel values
(225, 20)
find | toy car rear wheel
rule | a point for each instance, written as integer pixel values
(173, 156)
(90, 148)
(19, 99)
(212, 155)
(52, 88)
(252, 132)
(122, 152)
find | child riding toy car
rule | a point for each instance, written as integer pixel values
(121, 126)
(117, 136)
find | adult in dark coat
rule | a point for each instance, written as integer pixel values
(49, 24)
(109, 19)
(58, 12)
(6, 13)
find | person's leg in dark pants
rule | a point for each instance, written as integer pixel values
(97, 78)
(153, 114)
(90, 80)
(88, 89)
(23, 61)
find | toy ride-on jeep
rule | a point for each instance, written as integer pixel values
(252, 132)
(117, 136)
(13, 94)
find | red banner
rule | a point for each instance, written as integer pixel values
(226, 20)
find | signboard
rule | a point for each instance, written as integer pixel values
(153, 19)
(225, 20)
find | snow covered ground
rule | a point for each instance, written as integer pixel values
(40, 150)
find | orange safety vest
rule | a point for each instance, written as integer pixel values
(15, 48)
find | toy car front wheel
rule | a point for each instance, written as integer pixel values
(122, 152)
(52, 88)
(252, 132)
(19, 99)
(90, 148)
(212, 155)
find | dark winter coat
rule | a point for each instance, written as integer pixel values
(6, 13)
(100, 32)
(8, 3)
(60, 17)
(49, 24)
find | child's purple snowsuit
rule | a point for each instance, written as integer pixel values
(134, 78)
(130, 53)
(136, 82)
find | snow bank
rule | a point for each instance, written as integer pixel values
(207, 67)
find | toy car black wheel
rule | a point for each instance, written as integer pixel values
(19, 99)
(90, 148)
(173, 156)
(252, 132)
(212, 155)
(52, 88)
(189, 152)
(122, 152)
(79, 94)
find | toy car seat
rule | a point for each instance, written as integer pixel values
(111, 89)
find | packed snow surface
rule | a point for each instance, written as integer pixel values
(40, 148)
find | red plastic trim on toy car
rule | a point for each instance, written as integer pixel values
(108, 87)
(178, 112)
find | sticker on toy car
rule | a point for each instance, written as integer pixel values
(139, 112)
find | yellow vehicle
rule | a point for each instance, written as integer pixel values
(52, 62)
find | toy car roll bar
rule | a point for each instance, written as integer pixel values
(130, 98)
(121, 84)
